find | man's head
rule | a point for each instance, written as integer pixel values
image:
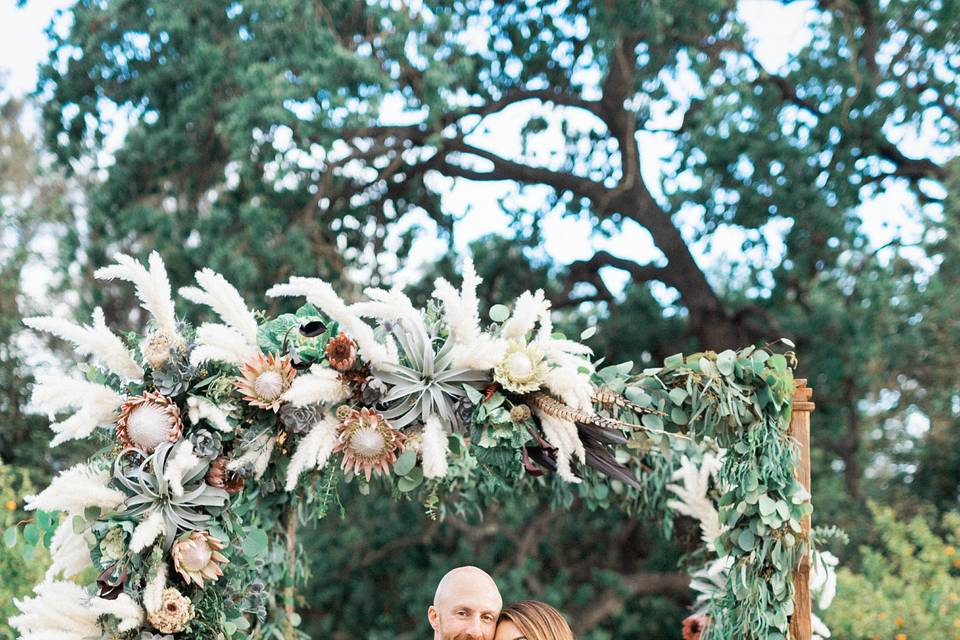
(466, 606)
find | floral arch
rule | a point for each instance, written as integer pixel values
(215, 437)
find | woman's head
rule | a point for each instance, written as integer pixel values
(532, 620)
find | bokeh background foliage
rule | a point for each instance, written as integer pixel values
(266, 138)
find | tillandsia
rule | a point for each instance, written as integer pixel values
(219, 427)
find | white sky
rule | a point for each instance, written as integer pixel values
(778, 30)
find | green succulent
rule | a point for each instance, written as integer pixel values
(426, 383)
(149, 491)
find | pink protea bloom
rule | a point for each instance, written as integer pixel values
(265, 379)
(368, 442)
(198, 558)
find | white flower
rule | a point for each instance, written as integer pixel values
(823, 577)
(96, 340)
(522, 369)
(199, 408)
(128, 613)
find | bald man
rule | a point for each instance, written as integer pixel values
(466, 606)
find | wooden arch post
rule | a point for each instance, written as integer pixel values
(801, 621)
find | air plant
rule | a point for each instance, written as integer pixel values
(151, 491)
(426, 384)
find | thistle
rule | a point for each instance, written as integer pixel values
(427, 384)
(150, 491)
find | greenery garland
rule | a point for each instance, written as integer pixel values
(218, 440)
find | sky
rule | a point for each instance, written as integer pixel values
(777, 29)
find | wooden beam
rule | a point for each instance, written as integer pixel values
(800, 622)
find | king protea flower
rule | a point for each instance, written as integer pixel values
(522, 369)
(147, 420)
(198, 558)
(265, 379)
(368, 442)
(341, 352)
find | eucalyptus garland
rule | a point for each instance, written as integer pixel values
(217, 440)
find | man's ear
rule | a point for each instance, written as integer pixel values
(434, 617)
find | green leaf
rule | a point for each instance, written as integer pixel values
(475, 396)
(255, 544)
(652, 421)
(588, 333)
(676, 360)
(678, 395)
(405, 463)
(767, 506)
(778, 363)
(31, 534)
(499, 313)
(410, 482)
(91, 513)
(746, 540)
(725, 362)
(10, 537)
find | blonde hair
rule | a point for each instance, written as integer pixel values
(537, 620)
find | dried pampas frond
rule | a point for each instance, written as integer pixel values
(81, 486)
(461, 310)
(152, 288)
(221, 296)
(95, 340)
(59, 610)
(321, 385)
(95, 405)
(313, 451)
(222, 343)
(434, 448)
(562, 435)
(527, 310)
(199, 408)
(69, 553)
